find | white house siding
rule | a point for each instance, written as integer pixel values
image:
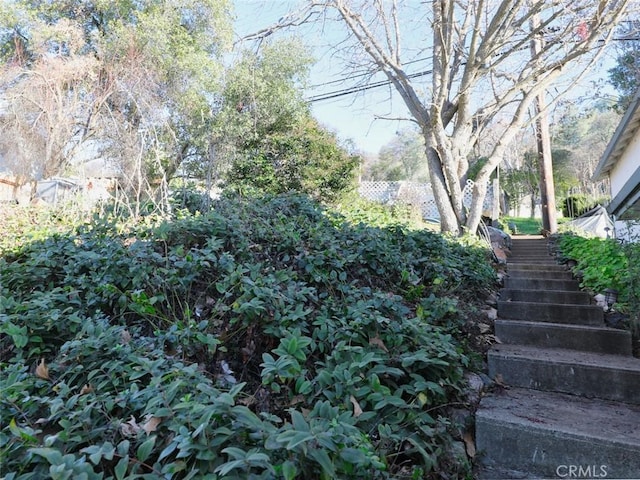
(627, 231)
(626, 166)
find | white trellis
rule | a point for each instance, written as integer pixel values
(418, 194)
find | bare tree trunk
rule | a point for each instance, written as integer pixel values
(543, 141)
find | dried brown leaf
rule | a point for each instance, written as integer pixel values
(247, 401)
(42, 371)
(130, 428)
(469, 444)
(357, 409)
(151, 425)
(86, 389)
(125, 337)
(378, 342)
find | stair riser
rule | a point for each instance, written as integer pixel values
(549, 312)
(536, 266)
(590, 381)
(530, 250)
(540, 284)
(541, 272)
(529, 260)
(550, 454)
(546, 296)
(615, 342)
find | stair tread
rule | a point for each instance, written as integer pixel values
(566, 326)
(605, 420)
(551, 304)
(574, 357)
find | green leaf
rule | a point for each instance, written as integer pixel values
(168, 450)
(289, 470)
(298, 421)
(94, 452)
(352, 456)
(296, 438)
(325, 462)
(145, 449)
(121, 468)
(235, 453)
(123, 448)
(52, 455)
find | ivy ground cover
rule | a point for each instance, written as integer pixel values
(263, 338)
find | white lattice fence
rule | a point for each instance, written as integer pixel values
(413, 193)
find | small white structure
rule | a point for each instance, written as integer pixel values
(621, 164)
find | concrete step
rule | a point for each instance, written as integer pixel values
(530, 250)
(531, 259)
(605, 376)
(551, 312)
(536, 266)
(551, 435)
(549, 296)
(540, 284)
(571, 337)
(540, 272)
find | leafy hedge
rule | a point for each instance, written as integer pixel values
(605, 263)
(267, 338)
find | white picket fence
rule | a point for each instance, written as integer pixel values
(417, 194)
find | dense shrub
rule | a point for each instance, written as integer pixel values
(267, 338)
(605, 263)
(576, 205)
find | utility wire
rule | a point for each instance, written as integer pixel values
(382, 83)
(369, 86)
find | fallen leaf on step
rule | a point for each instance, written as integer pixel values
(484, 328)
(499, 380)
(469, 444)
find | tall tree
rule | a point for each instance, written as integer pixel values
(583, 134)
(481, 72)
(625, 75)
(136, 79)
(403, 158)
(272, 142)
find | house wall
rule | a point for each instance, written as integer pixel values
(627, 164)
(628, 231)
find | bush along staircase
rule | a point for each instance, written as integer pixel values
(566, 402)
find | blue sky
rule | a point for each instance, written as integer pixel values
(351, 117)
(354, 117)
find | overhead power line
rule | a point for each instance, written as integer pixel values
(362, 88)
(382, 83)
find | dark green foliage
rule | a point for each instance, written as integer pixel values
(304, 159)
(267, 338)
(605, 263)
(576, 205)
(624, 75)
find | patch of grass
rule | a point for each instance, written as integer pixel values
(523, 225)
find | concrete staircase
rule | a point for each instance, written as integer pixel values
(570, 404)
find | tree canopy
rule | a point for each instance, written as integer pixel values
(131, 81)
(488, 61)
